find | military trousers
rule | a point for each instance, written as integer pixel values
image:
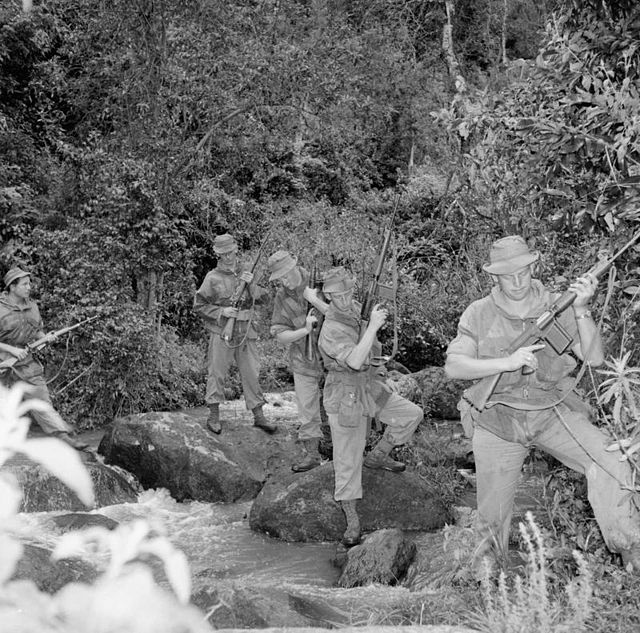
(401, 419)
(49, 421)
(219, 359)
(307, 390)
(580, 446)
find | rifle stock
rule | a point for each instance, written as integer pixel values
(544, 328)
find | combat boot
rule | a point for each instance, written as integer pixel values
(379, 458)
(213, 421)
(260, 421)
(351, 535)
(311, 457)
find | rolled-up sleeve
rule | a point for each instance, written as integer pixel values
(466, 340)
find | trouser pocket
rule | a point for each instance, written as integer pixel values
(350, 411)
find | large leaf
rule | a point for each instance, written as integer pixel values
(63, 462)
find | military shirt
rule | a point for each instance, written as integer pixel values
(20, 324)
(339, 335)
(216, 293)
(290, 313)
(486, 330)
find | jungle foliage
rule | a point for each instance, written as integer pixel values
(133, 132)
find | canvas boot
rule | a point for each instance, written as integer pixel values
(351, 535)
(311, 457)
(213, 421)
(379, 458)
(260, 421)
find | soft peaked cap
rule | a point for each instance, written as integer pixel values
(224, 244)
(508, 255)
(13, 274)
(338, 280)
(280, 263)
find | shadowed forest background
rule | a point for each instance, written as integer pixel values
(132, 133)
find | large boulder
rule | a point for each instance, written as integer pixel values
(42, 492)
(300, 507)
(430, 387)
(174, 450)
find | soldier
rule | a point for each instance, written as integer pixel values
(21, 324)
(535, 409)
(213, 303)
(355, 390)
(292, 323)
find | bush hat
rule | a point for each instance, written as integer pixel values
(509, 254)
(280, 263)
(14, 274)
(338, 280)
(224, 244)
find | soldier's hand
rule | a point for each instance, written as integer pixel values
(246, 276)
(584, 288)
(524, 356)
(310, 322)
(310, 294)
(378, 316)
(19, 352)
(230, 312)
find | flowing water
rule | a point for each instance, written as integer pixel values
(215, 537)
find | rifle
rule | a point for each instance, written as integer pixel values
(41, 342)
(545, 328)
(376, 289)
(309, 343)
(227, 332)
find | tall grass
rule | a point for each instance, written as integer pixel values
(529, 603)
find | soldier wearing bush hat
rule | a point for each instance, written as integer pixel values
(224, 244)
(356, 390)
(213, 303)
(537, 406)
(21, 325)
(292, 323)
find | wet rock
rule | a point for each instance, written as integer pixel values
(383, 557)
(437, 394)
(174, 450)
(49, 576)
(82, 520)
(236, 607)
(300, 507)
(42, 492)
(231, 607)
